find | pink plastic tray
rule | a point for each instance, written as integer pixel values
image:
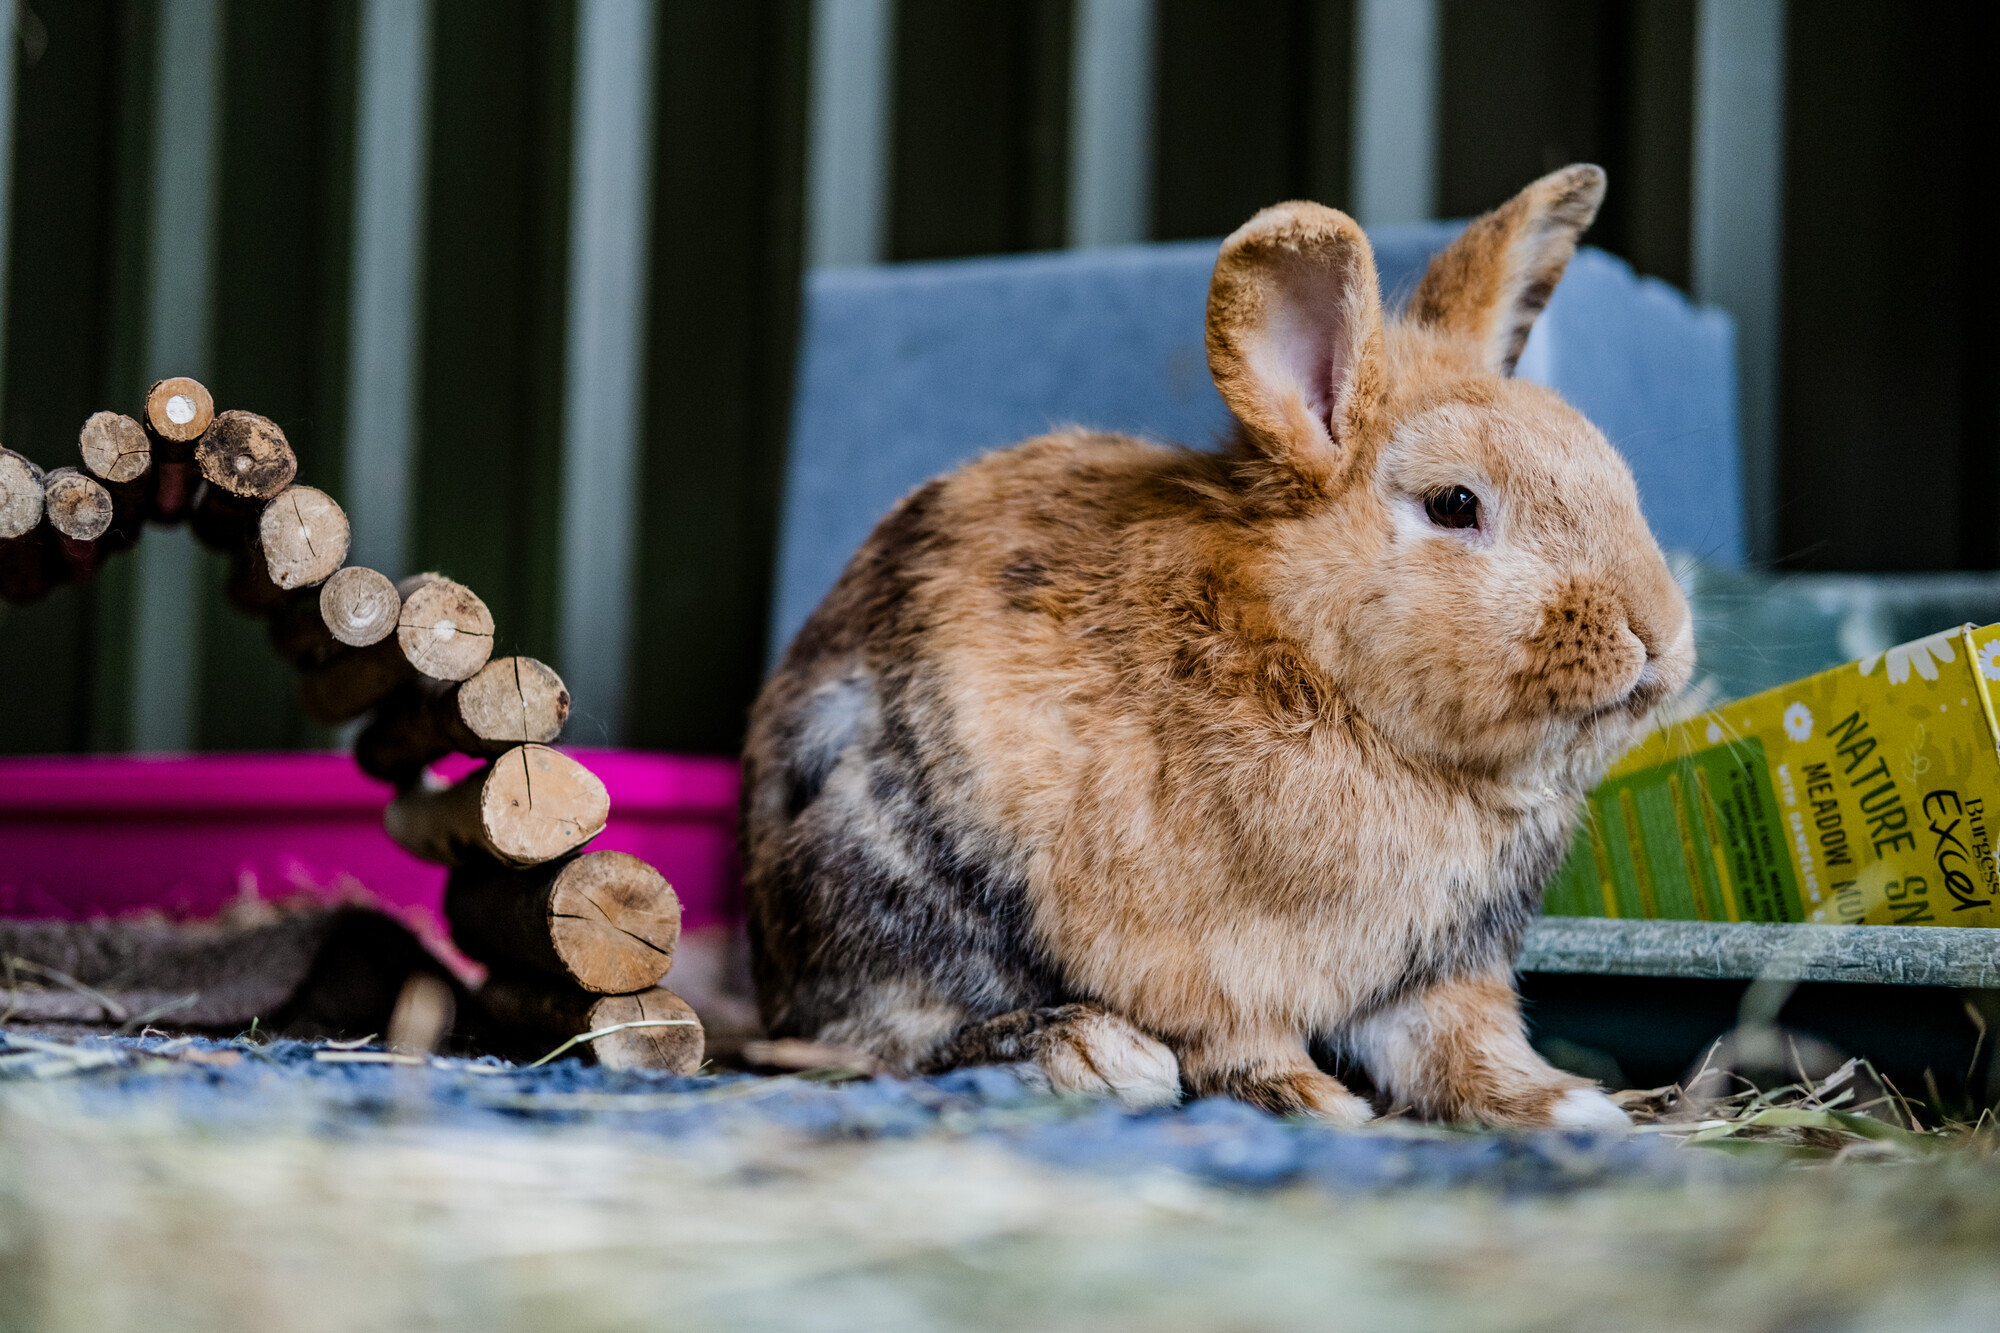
(96, 835)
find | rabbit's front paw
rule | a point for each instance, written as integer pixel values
(1293, 1091)
(1315, 1094)
(1101, 1053)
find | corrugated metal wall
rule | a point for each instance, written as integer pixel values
(294, 331)
(490, 262)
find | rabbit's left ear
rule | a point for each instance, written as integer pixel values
(1491, 283)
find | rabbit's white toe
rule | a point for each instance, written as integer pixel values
(1587, 1108)
(1102, 1053)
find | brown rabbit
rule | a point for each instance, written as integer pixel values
(1157, 766)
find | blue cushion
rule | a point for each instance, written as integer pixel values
(906, 370)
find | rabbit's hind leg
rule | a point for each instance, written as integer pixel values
(1458, 1051)
(1080, 1047)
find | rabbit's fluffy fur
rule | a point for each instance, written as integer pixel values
(1163, 768)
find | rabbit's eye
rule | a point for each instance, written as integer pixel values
(1454, 507)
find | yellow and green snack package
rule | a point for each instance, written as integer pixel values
(1863, 795)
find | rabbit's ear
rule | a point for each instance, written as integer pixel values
(1295, 333)
(1491, 283)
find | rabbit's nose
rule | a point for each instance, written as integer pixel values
(1664, 628)
(1664, 631)
(1655, 608)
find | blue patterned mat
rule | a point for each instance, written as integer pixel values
(1216, 1140)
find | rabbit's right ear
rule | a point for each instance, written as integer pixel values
(1295, 335)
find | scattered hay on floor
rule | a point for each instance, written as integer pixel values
(1852, 1113)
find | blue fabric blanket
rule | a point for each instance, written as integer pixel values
(243, 1084)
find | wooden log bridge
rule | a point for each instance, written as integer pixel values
(577, 941)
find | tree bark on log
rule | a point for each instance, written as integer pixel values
(176, 481)
(116, 451)
(530, 805)
(248, 586)
(407, 733)
(297, 632)
(552, 1013)
(31, 565)
(131, 502)
(606, 921)
(221, 521)
(351, 682)
(178, 412)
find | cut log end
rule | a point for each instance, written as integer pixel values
(605, 921)
(671, 1041)
(179, 409)
(530, 805)
(303, 537)
(246, 455)
(444, 628)
(537, 804)
(675, 1049)
(21, 495)
(359, 606)
(508, 702)
(115, 447)
(77, 506)
(614, 922)
(516, 700)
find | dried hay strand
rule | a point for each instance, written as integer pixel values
(1851, 1113)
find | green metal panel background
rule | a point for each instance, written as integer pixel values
(728, 188)
(1890, 446)
(980, 141)
(489, 421)
(281, 236)
(1252, 108)
(75, 96)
